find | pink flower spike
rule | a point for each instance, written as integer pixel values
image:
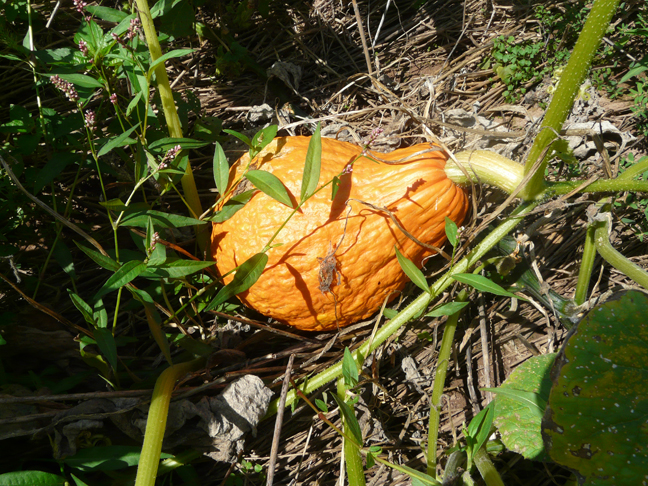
(113, 98)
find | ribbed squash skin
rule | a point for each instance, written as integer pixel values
(417, 192)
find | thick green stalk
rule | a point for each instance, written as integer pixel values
(443, 361)
(570, 82)
(170, 113)
(586, 268)
(352, 457)
(415, 308)
(156, 421)
(486, 469)
(485, 167)
(606, 185)
(614, 258)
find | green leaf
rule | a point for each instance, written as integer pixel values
(63, 257)
(533, 401)
(485, 425)
(350, 420)
(321, 404)
(262, 139)
(126, 273)
(163, 145)
(335, 185)
(349, 369)
(412, 271)
(312, 165)
(221, 169)
(106, 13)
(101, 260)
(231, 207)
(176, 268)
(447, 309)
(80, 80)
(106, 458)
(483, 284)
(56, 164)
(107, 346)
(518, 421)
(451, 231)
(82, 307)
(160, 219)
(168, 55)
(246, 274)
(269, 184)
(418, 478)
(595, 421)
(118, 141)
(240, 136)
(31, 478)
(100, 315)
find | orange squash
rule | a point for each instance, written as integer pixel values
(336, 263)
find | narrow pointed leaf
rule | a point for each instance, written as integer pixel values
(447, 309)
(451, 231)
(483, 284)
(349, 369)
(350, 420)
(168, 55)
(240, 136)
(126, 273)
(263, 138)
(221, 169)
(118, 141)
(269, 184)
(83, 307)
(312, 165)
(248, 273)
(101, 260)
(106, 343)
(231, 207)
(412, 271)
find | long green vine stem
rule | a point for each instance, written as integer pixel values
(170, 113)
(157, 418)
(415, 308)
(443, 360)
(570, 81)
(612, 256)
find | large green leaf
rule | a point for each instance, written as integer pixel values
(31, 478)
(595, 422)
(519, 405)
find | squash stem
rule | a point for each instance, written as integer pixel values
(484, 166)
(156, 421)
(612, 256)
(171, 115)
(561, 104)
(443, 361)
(415, 308)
